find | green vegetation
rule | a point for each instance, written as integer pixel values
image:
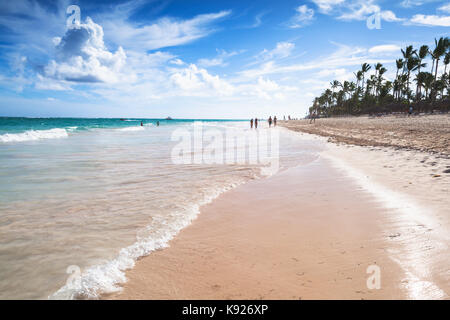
(413, 86)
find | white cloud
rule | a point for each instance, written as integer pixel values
(302, 17)
(82, 56)
(325, 6)
(166, 32)
(177, 62)
(416, 3)
(361, 10)
(445, 8)
(390, 16)
(219, 60)
(345, 56)
(431, 20)
(197, 81)
(282, 50)
(386, 48)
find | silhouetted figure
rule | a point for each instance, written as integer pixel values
(313, 117)
(256, 123)
(142, 124)
(275, 121)
(289, 117)
(157, 123)
(251, 124)
(270, 122)
(410, 112)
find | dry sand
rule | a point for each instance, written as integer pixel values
(424, 133)
(312, 231)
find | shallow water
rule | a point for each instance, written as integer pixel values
(93, 195)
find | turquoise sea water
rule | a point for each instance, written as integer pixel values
(87, 197)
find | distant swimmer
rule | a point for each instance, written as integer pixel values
(275, 121)
(256, 123)
(270, 122)
(251, 124)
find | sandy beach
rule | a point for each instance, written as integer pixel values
(430, 133)
(312, 231)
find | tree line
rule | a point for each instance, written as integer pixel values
(415, 85)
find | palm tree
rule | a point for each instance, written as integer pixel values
(382, 71)
(358, 76)
(428, 83)
(335, 84)
(365, 67)
(411, 65)
(446, 61)
(399, 63)
(441, 46)
(423, 53)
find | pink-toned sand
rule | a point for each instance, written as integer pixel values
(309, 232)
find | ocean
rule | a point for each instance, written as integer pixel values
(82, 199)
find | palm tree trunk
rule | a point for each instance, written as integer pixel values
(434, 93)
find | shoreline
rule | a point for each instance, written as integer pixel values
(276, 238)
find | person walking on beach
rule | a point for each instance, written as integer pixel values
(157, 123)
(251, 124)
(142, 124)
(313, 117)
(256, 123)
(270, 122)
(275, 121)
(410, 111)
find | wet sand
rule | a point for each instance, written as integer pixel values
(311, 232)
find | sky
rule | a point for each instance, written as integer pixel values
(197, 58)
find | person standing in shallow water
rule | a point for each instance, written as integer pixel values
(251, 124)
(256, 123)
(270, 122)
(275, 121)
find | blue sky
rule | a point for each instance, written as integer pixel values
(197, 59)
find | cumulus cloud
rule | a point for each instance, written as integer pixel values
(302, 17)
(83, 57)
(198, 81)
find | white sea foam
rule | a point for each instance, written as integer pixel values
(139, 128)
(31, 135)
(107, 277)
